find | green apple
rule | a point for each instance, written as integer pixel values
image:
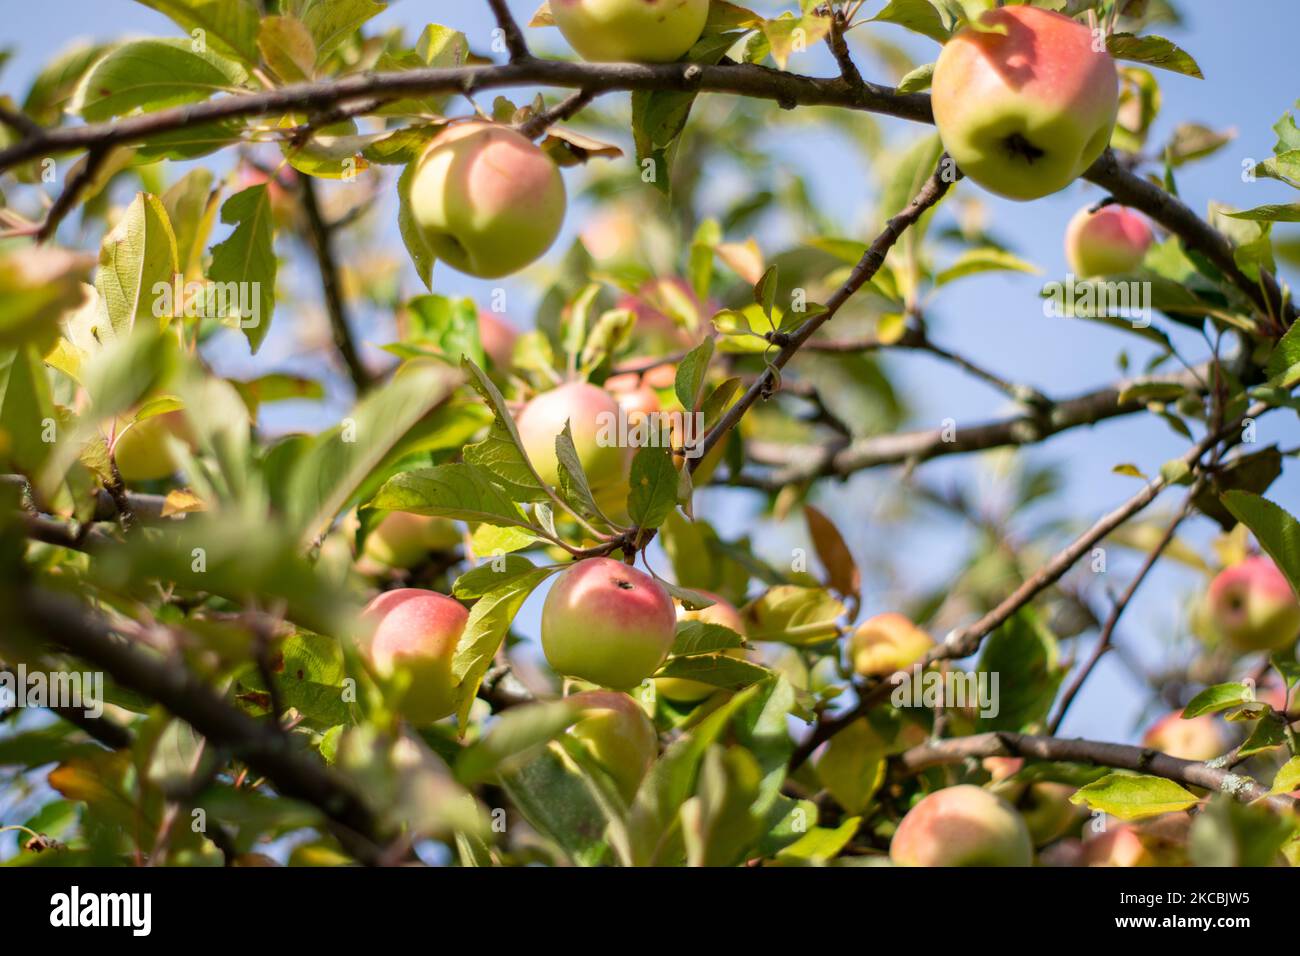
(487, 201)
(1026, 110)
(593, 416)
(1111, 241)
(618, 734)
(414, 632)
(143, 450)
(1251, 607)
(403, 540)
(962, 826)
(607, 623)
(635, 31)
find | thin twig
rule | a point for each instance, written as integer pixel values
(322, 245)
(516, 45)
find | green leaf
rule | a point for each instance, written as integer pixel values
(412, 237)
(1134, 796)
(692, 373)
(515, 732)
(26, 410)
(489, 621)
(1218, 698)
(332, 22)
(1287, 778)
(1276, 530)
(490, 575)
(917, 80)
(1153, 51)
(974, 261)
(1276, 212)
(653, 487)
(37, 285)
(191, 205)
(136, 260)
(1022, 655)
(340, 460)
(1232, 833)
(288, 48)
(151, 75)
(247, 259)
(821, 844)
(919, 16)
(718, 823)
(716, 670)
(461, 491)
(700, 637)
(229, 26)
(794, 615)
(852, 768)
(556, 799)
(1269, 734)
(502, 452)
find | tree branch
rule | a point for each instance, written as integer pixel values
(803, 463)
(265, 748)
(514, 37)
(1119, 756)
(321, 241)
(965, 641)
(928, 196)
(787, 89)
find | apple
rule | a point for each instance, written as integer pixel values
(618, 734)
(1111, 241)
(634, 396)
(487, 201)
(1252, 607)
(724, 613)
(1043, 804)
(962, 826)
(607, 623)
(1024, 111)
(886, 643)
(1120, 845)
(1195, 739)
(592, 414)
(634, 31)
(664, 307)
(403, 540)
(142, 450)
(414, 632)
(498, 339)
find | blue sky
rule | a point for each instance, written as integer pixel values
(1246, 50)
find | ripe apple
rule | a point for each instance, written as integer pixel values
(142, 450)
(1252, 607)
(592, 414)
(962, 826)
(607, 623)
(618, 734)
(886, 643)
(724, 613)
(1110, 241)
(1195, 739)
(414, 631)
(403, 540)
(487, 201)
(1120, 845)
(1024, 112)
(498, 339)
(634, 31)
